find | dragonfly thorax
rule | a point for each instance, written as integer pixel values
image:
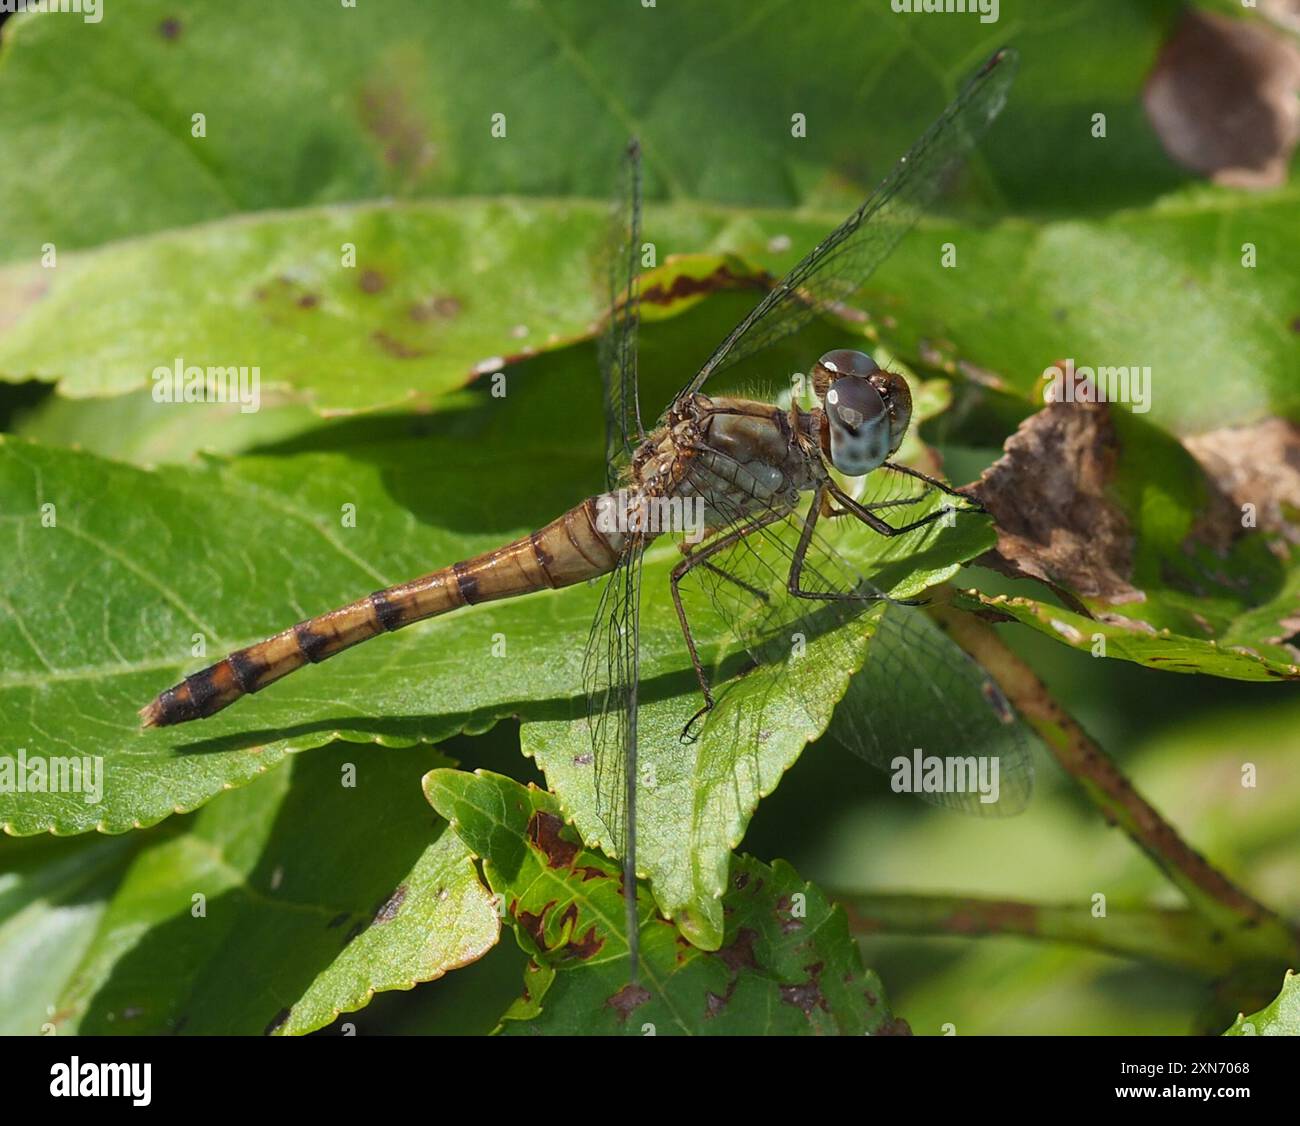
(738, 456)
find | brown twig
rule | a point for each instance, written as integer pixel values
(1173, 936)
(1235, 917)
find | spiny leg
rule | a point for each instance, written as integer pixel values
(974, 504)
(761, 595)
(877, 505)
(805, 539)
(874, 522)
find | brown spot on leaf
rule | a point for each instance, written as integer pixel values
(170, 29)
(1222, 99)
(807, 995)
(585, 947)
(441, 308)
(627, 999)
(739, 953)
(308, 301)
(397, 348)
(896, 1027)
(534, 925)
(371, 281)
(1047, 494)
(545, 832)
(387, 114)
(388, 910)
(724, 277)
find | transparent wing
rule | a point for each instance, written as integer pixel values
(916, 690)
(839, 266)
(618, 341)
(609, 678)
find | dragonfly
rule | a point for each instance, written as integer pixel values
(765, 481)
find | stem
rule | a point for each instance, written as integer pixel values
(1234, 916)
(1174, 936)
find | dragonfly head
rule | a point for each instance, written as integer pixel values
(867, 410)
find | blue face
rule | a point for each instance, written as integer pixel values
(867, 410)
(859, 426)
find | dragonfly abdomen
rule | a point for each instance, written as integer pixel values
(570, 549)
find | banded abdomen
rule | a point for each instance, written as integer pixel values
(568, 550)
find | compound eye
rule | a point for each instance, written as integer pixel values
(852, 403)
(847, 361)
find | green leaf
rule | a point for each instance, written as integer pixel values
(442, 286)
(380, 101)
(142, 564)
(320, 887)
(53, 893)
(787, 963)
(424, 307)
(1279, 1018)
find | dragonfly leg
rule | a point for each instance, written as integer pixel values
(876, 506)
(761, 595)
(975, 505)
(700, 558)
(801, 551)
(874, 522)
